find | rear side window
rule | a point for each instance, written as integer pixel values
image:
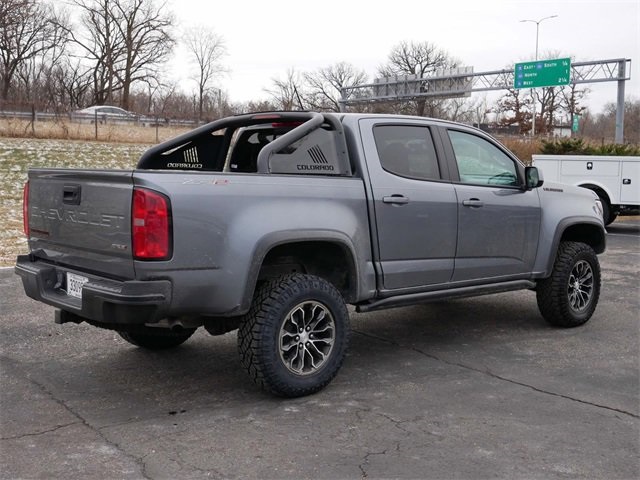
(247, 146)
(202, 153)
(482, 163)
(407, 151)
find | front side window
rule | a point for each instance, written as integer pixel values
(482, 163)
(407, 151)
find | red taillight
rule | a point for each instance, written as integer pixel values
(25, 209)
(150, 225)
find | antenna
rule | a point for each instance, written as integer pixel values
(295, 90)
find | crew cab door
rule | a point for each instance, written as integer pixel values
(498, 220)
(415, 208)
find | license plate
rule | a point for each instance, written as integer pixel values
(74, 284)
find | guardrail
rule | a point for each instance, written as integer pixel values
(143, 120)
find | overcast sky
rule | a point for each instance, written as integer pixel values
(265, 38)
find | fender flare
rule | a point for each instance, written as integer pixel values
(562, 228)
(275, 239)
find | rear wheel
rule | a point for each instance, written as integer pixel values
(608, 215)
(293, 340)
(569, 296)
(151, 339)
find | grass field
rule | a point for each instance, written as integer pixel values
(63, 129)
(18, 154)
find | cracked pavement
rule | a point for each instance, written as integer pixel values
(472, 388)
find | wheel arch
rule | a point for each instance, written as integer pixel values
(601, 190)
(584, 230)
(611, 210)
(329, 255)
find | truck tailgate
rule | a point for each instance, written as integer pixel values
(82, 219)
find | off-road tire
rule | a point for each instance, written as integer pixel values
(152, 340)
(570, 295)
(277, 305)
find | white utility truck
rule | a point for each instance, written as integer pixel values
(615, 179)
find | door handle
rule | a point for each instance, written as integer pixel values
(71, 194)
(473, 202)
(396, 199)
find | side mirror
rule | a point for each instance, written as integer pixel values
(533, 178)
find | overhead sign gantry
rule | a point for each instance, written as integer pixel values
(463, 83)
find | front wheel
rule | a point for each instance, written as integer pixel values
(151, 339)
(570, 295)
(293, 340)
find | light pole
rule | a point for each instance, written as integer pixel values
(537, 22)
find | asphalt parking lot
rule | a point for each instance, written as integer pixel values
(473, 388)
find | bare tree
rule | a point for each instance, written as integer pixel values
(466, 109)
(124, 41)
(26, 31)
(556, 101)
(207, 50)
(100, 46)
(37, 75)
(72, 83)
(143, 30)
(513, 108)
(549, 100)
(252, 106)
(572, 96)
(325, 85)
(288, 94)
(602, 126)
(170, 102)
(422, 59)
(479, 110)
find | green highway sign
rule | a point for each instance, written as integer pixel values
(576, 123)
(542, 73)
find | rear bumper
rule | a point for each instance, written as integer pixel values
(105, 301)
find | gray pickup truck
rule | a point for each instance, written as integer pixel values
(271, 223)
